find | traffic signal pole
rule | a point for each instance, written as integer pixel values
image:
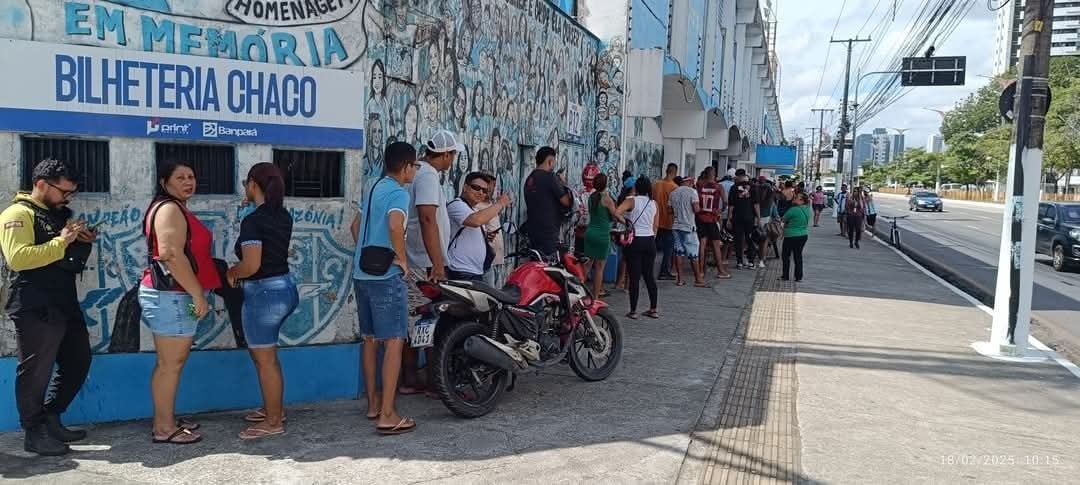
(1016, 259)
(844, 122)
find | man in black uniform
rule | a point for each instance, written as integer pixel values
(44, 251)
(546, 199)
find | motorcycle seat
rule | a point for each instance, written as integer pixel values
(508, 295)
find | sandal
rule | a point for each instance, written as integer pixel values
(726, 276)
(188, 425)
(257, 416)
(254, 433)
(406, 425)
(172, 439)
(680, 283)
(632, 315)
(604, 294)
(702, 285)
(652, 314)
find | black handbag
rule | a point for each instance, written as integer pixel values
(160, 276)
(374, 260)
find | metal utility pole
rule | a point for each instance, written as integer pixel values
(821, 139)
(808, 172)
(844, 123)
(1016, 261)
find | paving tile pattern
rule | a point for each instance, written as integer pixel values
(757, 440)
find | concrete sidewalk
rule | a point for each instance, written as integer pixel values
(553, 428)
(863, 373)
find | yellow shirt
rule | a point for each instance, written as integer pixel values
(17, 238)
(661, 192)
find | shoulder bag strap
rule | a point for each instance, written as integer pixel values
(151, 236)
(461, 229)
(367, 217)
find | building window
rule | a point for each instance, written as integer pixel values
(214, 165)
(311, 173)
(88, 158)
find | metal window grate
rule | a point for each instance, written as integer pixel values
(214, 165)
(88, 158)
(311, 173)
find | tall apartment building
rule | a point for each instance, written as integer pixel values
(864, 149)
(882, 146)
(1065, 40)
(898, 146)
(935, 144)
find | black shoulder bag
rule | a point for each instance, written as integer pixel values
(160, 276)
(489, 256)
(374, 260)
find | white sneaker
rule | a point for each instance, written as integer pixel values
(761, 265)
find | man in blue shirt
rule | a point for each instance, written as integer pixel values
(381, 299)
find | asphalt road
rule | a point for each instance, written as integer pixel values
(966, 239)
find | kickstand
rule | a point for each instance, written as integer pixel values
(513, 382)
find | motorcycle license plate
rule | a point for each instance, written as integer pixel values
(423, 333)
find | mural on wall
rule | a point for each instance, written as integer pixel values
(503, 74)
(643, 157)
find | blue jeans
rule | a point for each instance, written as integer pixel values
(168, 313)
(383, 308)
(267, 303)
(687, 244)
(665, 243)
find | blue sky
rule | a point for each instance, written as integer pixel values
(802, 41)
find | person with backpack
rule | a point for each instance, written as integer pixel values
(44, 250)
(469, 254)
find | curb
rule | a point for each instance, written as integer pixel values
(1050, 333)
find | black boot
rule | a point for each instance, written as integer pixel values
(38, 441)
(57, 430)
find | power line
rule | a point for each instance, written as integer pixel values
(829, 51)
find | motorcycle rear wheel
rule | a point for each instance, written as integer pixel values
(583, 355)
(456, 374)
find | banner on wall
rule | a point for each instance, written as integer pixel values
(775, 156)
(78, 90)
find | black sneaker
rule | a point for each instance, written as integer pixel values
(38, 441)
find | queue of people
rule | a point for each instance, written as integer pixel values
(456, 239)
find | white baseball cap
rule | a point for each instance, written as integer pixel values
(443, 141)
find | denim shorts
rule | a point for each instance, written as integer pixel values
(168, 313)
(687, 244)
(383, 308)
(267, 303)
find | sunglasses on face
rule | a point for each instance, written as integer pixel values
(479, 188)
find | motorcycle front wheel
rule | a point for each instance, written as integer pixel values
(468, 387)
(594, 357)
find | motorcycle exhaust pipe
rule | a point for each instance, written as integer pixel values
(483, 350)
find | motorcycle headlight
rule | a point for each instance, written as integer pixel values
(1075, 234)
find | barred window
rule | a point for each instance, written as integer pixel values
(311, 173)
(214, 165)
(88, 158)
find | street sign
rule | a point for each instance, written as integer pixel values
(933, 71)
(825, 154)
(1007, 101)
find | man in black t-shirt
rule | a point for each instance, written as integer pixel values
(546, 198)
(743, 216)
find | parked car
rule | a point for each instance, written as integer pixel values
(923, 200)
(1058, 235)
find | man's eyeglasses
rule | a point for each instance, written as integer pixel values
(479, 188)
(64, 193)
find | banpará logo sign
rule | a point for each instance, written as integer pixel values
(213, 129)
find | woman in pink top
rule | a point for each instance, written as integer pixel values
(180, 246)
(818, 201)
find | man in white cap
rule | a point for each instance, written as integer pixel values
(428, 233)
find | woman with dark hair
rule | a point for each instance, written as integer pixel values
(270, 294)
(641, 215)
(173, 292)
(478, 100)
(598, 232)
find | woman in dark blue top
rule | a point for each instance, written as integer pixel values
(270, 294)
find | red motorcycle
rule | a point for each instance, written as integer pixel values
(484, 336)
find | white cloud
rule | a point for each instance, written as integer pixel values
(803, 39)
